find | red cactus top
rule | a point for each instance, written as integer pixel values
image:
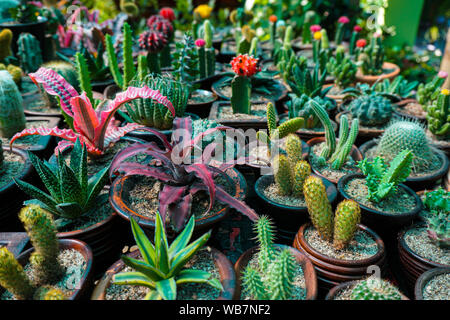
(167, 13)
(161, 24)
(152, 41)
(361, 43)
(245, 65)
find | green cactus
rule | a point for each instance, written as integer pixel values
(6, 36)
(311, 17)
(330, 136)
(13, 277)
(347, 217)
(371, 110)
(84, 77)
(29, 52)
(342, 68)
(282, 174)
(40, 228)
(12, 117)
(241, 88)
(438, 115)
(304, 81)
(346, 140)
(207, 55)
(407, 135)
(438, 228)
(284, 52)
(300, 106)
(399, 87)
(274, 276)
(185, 61)
(428, 92)
(374, 288)
(47, 292)
(372, 57)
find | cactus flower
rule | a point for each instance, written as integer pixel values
(167, 13)
(245, 65)
(317, 35)
(361, 43)
(204, 11)
(357, 29)
(343, 20)
(200, 43)
(445, 92)
(315, 28)
(273, 18)
(442, 74)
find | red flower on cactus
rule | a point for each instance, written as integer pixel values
(357, 28)
(152, 41)
(343, 20)
(245, 65)
(315, 28)
(361, 43)
(442, 74)
(200, 42)
(160, 24)
(273, 18)
(167, 13)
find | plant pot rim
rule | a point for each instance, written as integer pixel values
(261, 195)
(227, 275)
(425, 277)
(373, 78)
(124, 211)
(26, 171)
(354, 153)
(342, 286)
(201, 104)
(41, 20)
(412, 213)
(431, 176)
(404, 102)
(302, 259)
(213, 115)
(44, 141)
(372, 260)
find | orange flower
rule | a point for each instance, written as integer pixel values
(245, 65)
(273, 18)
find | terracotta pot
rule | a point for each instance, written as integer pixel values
(399, 110)
(202, 109)
(121, 186)
(11, 197)
(413, 264)
(370, 79)
(15, 242)
(67, 244)
(332, 271)
(355, 154)
(226, 272)
(423, 280)
(301, 259)
(287, 219)
(346, 285)
(421, 182)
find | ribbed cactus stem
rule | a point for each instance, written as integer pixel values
(202, 62)
(142, 67)
(265, 235)
(12, 117)
(302, 171)
(84, 76)
(129, 71)
(288, 35)
(325, 42)
(347, 217)
(253, 284)
(438, 115)
(29, 52)
(208, 34)
(12, 276)
(112, 61)
(282, 174)
(346, 148)
(339, 34)
(210, 58)
(153, 62)
(330, 136)
(271, 117)
(352, 44)
(293, 150)
(281, 276)
(241, 88)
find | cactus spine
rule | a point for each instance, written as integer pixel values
(13, 277)
(12, 117)
(29, 52)
(347, 217)
(374, 288)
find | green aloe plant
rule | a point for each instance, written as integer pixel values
(162, 266)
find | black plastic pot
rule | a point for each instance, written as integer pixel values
(288, 219)
(202, 109)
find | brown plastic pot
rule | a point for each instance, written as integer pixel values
(399, 110)
(370, 79)
(332, 271)
(355, 154)
(226, 272)
(346, 285)
(423, 280)
(413, 264)
(68, 244)
(301, 259)
(424, 181)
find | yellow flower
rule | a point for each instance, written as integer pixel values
(445, 91)
(317, 35)
(36, 14)
(204, 11)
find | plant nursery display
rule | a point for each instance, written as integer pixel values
(224, 150)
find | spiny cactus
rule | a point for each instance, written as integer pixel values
(12, 276)
(342, 68)
(371, 110)
(428, 92)
(40, 228)
(319, 207)
(206, 53)
(245, 67)
(330, 136)
(12, 117)
(284, 52)
(308, 82)
(185, 60)
(14, 71)
(347, 217)
(300, 106)
(438, 115)
(29, 52)
(372, 57)
(399, 87)
(6, 36)
(48, 292)
(407, 135)
(438, 228)
(84, 76)
(273, 279)
(374, 288)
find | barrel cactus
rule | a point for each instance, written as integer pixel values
(407, 135)
(374, 288)
(29, 52)
(14, 71)
(371, 110)
(12, 117)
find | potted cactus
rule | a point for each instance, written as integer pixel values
(54, 263)
(340, 248)
(438, 120)
(431, 285)
(273, 271)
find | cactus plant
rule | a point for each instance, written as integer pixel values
(399, 86)
(339, 36)
(371, 110)
(372, 57)
(284, 52)
(29, 52)
(159, 24)
(355, 34)
(374, 288)
(438, 228)
(40, 228)
(273, 279)
(245, 67)
(206, 52)
(185, 61)
(428, 92)
(15, 72)
(6, 36)
(305, 81)
(246, 40)
(438, 115)
(342, 68)
(346, 220)
(12, 117)
(12, 276)
(300, 106)
(48, 292)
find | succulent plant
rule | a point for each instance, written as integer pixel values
(374, 288)
(12, 276)
(428, 92)
(355, 34)
(185, 61)
(245, 67)
(29, 52)
(346, 220)
(6, 36)
(15, 72)
(341, 23)
(273, 278)
(48, 292)
(66, 70)
(407, 135)
(206, 52)
(437, 200)
(438, 228)
(304, 81)
(438, 115)
(382, 181)
(153, 42)
(300, 106)
(284, 52)
(371, 110)
(342, 68)
(162, 267)
(372, 57)
(399, 86)
(12, 117)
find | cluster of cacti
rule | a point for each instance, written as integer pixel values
(438, 115)
(301, 107)
(428, 92)
(185, 60)
(206, 52)
(290, 171)
(129, 70)
(339, 36)
(245, 67)
(309, 82)
(284, 52)
(286, 67)
(372, 57)
(275, 133)
(374, 288)
(67, 71)
(336, 154)
(382, 181)
(311, 17)
(342, 68)
(355, 34)
(338, 229)
(152, 114)
(399, 87)
(12, 117)
(29, 52)
(406, 135)
(371, 110)
(274, 277)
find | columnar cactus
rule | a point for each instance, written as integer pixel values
(206, 52)
(185, 62)
(317, 45)
(12, 117)
(163, 25)
(12, 276)
(342, 68)
(374, 288)
(29, 52)
(244, 66)
(342, 21)
(428, 92)
(6, 36)
(355, 34)
(347, 217)
(40, 228)
(345, 142)
(284, 53)
(438, 115)
(330, 136)
(373, 57)
(246, 40)
(154, 42)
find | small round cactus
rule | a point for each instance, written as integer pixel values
(371, 110)
(374, 288)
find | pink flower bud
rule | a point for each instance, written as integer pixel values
(344, 20)
(442, 74)
(357, 28)
(200, 42)
(315, 28)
